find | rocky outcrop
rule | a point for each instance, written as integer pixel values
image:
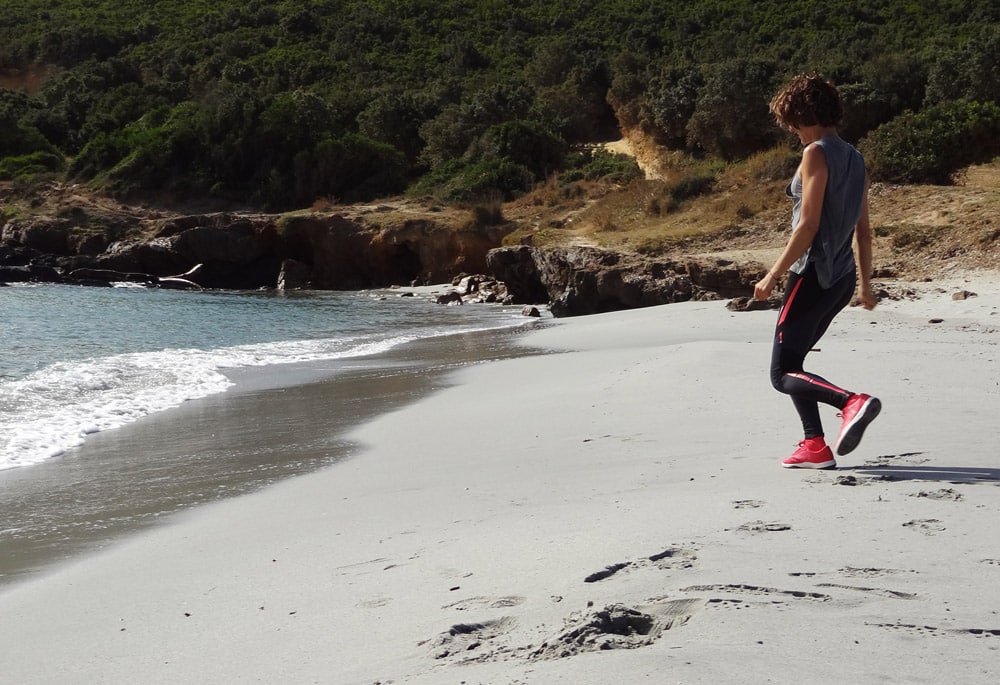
(245, 251)
(234, 251)
(344, 253)
(29, 273)
(358, 248)
(583, 280)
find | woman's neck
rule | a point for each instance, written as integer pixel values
(810, 134)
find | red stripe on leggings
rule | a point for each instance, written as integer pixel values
(784, 310)
(788, 302)
(813, 381)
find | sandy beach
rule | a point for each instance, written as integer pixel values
(612, 510)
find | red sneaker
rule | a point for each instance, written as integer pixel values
(859, 411)
(813, 453)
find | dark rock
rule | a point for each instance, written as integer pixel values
(110, 276)
(963, 295)
(517, 268)
(749, 304)
(31, 273)
(15, 274)
(238, 243)
(531, 311)
(294, 275)
(451, 297)
(583, 280)
(44, 234)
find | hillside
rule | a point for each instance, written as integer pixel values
(279, 105)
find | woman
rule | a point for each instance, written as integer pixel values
(829, 212)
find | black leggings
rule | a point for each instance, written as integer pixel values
(806, 312)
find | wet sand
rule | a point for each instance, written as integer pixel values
(276, 422)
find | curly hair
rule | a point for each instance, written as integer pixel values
(808, 100)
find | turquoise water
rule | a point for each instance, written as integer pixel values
(77, 361)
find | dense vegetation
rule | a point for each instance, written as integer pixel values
(280, 103)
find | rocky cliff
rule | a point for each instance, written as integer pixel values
(333, 251)
(360, 247)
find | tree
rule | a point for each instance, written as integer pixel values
(671, 99)
(971, 71)
(731, 117)
(450, 133)
(395, 118)
(931, 145)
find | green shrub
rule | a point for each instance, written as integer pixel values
(931, 145)
(24, 166)
(692, 186)
(459, 181)
(526, 143)
(597, 164)
(352, 167)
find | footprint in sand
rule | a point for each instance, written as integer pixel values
(762, 527)
(934, 631)
(925, 526)
(670, 558)
(771, 596)
(879, 592)
(942, 494)
(674, 557)
(758, 590)
(375, 603)
(854, 571)
(616, 627)
(485, 603)
(748, 504)
(470, 642)
(909, 458)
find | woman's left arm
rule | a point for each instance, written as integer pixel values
(863, 248)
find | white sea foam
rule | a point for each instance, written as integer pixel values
(54, 409)
(74, 361)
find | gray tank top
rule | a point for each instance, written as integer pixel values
(832, 250)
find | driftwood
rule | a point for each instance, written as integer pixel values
(179, 282)
(182, 281)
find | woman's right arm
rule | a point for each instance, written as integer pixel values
(814, 174)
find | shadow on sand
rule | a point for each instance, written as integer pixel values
(934, 473)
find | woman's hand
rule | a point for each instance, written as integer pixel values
(867, 297)
(762, 290)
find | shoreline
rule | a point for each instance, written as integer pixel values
(276, 422)
(634, 470)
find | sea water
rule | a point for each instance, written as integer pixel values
(75, 361)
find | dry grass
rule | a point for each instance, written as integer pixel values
(918, 228)
(324, 205)
(646, 214)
